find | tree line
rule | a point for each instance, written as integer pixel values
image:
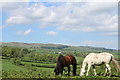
(14, 52)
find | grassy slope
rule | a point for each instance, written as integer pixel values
(7, 65)
(13, 71)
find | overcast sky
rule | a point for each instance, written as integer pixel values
(77, 23)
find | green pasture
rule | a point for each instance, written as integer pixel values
(11, 70)
(40, 64)
(7, 65)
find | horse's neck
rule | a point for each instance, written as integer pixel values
(59, 64)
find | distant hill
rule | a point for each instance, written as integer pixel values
(58, 47)
(29, 45)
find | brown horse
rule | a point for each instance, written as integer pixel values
(65, 61)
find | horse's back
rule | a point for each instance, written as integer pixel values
(68, 60)
(92, 55)
(98, 58)
(106, 54)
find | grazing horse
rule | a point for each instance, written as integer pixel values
(65, 61)
(94, 59)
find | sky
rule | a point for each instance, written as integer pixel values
(69, 23)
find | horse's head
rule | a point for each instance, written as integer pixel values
(82, 72)
(56, 70)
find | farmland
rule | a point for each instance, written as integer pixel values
(28, 60)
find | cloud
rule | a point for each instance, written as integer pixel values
(111, 34)
(84, 17)
(18, 20)
(11, 6)
(52, 33)
(27, 32)
(24, 33)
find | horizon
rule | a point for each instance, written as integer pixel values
(61, 23)
(59, 44)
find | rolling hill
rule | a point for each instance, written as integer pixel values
(58, 47)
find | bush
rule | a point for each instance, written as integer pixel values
(16, 62)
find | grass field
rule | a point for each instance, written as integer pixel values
(30, 71)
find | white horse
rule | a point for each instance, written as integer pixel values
(94, 59)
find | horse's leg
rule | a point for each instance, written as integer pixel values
(94, 70)
(88, 69)
(106, 70)
(74, 69)
(109, 69)
(62, 71)
(68, 70)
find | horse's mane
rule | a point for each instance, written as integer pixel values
(60, 59)
(69, 54)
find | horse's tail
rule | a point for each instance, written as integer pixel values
(74, 66)
(116, 64)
